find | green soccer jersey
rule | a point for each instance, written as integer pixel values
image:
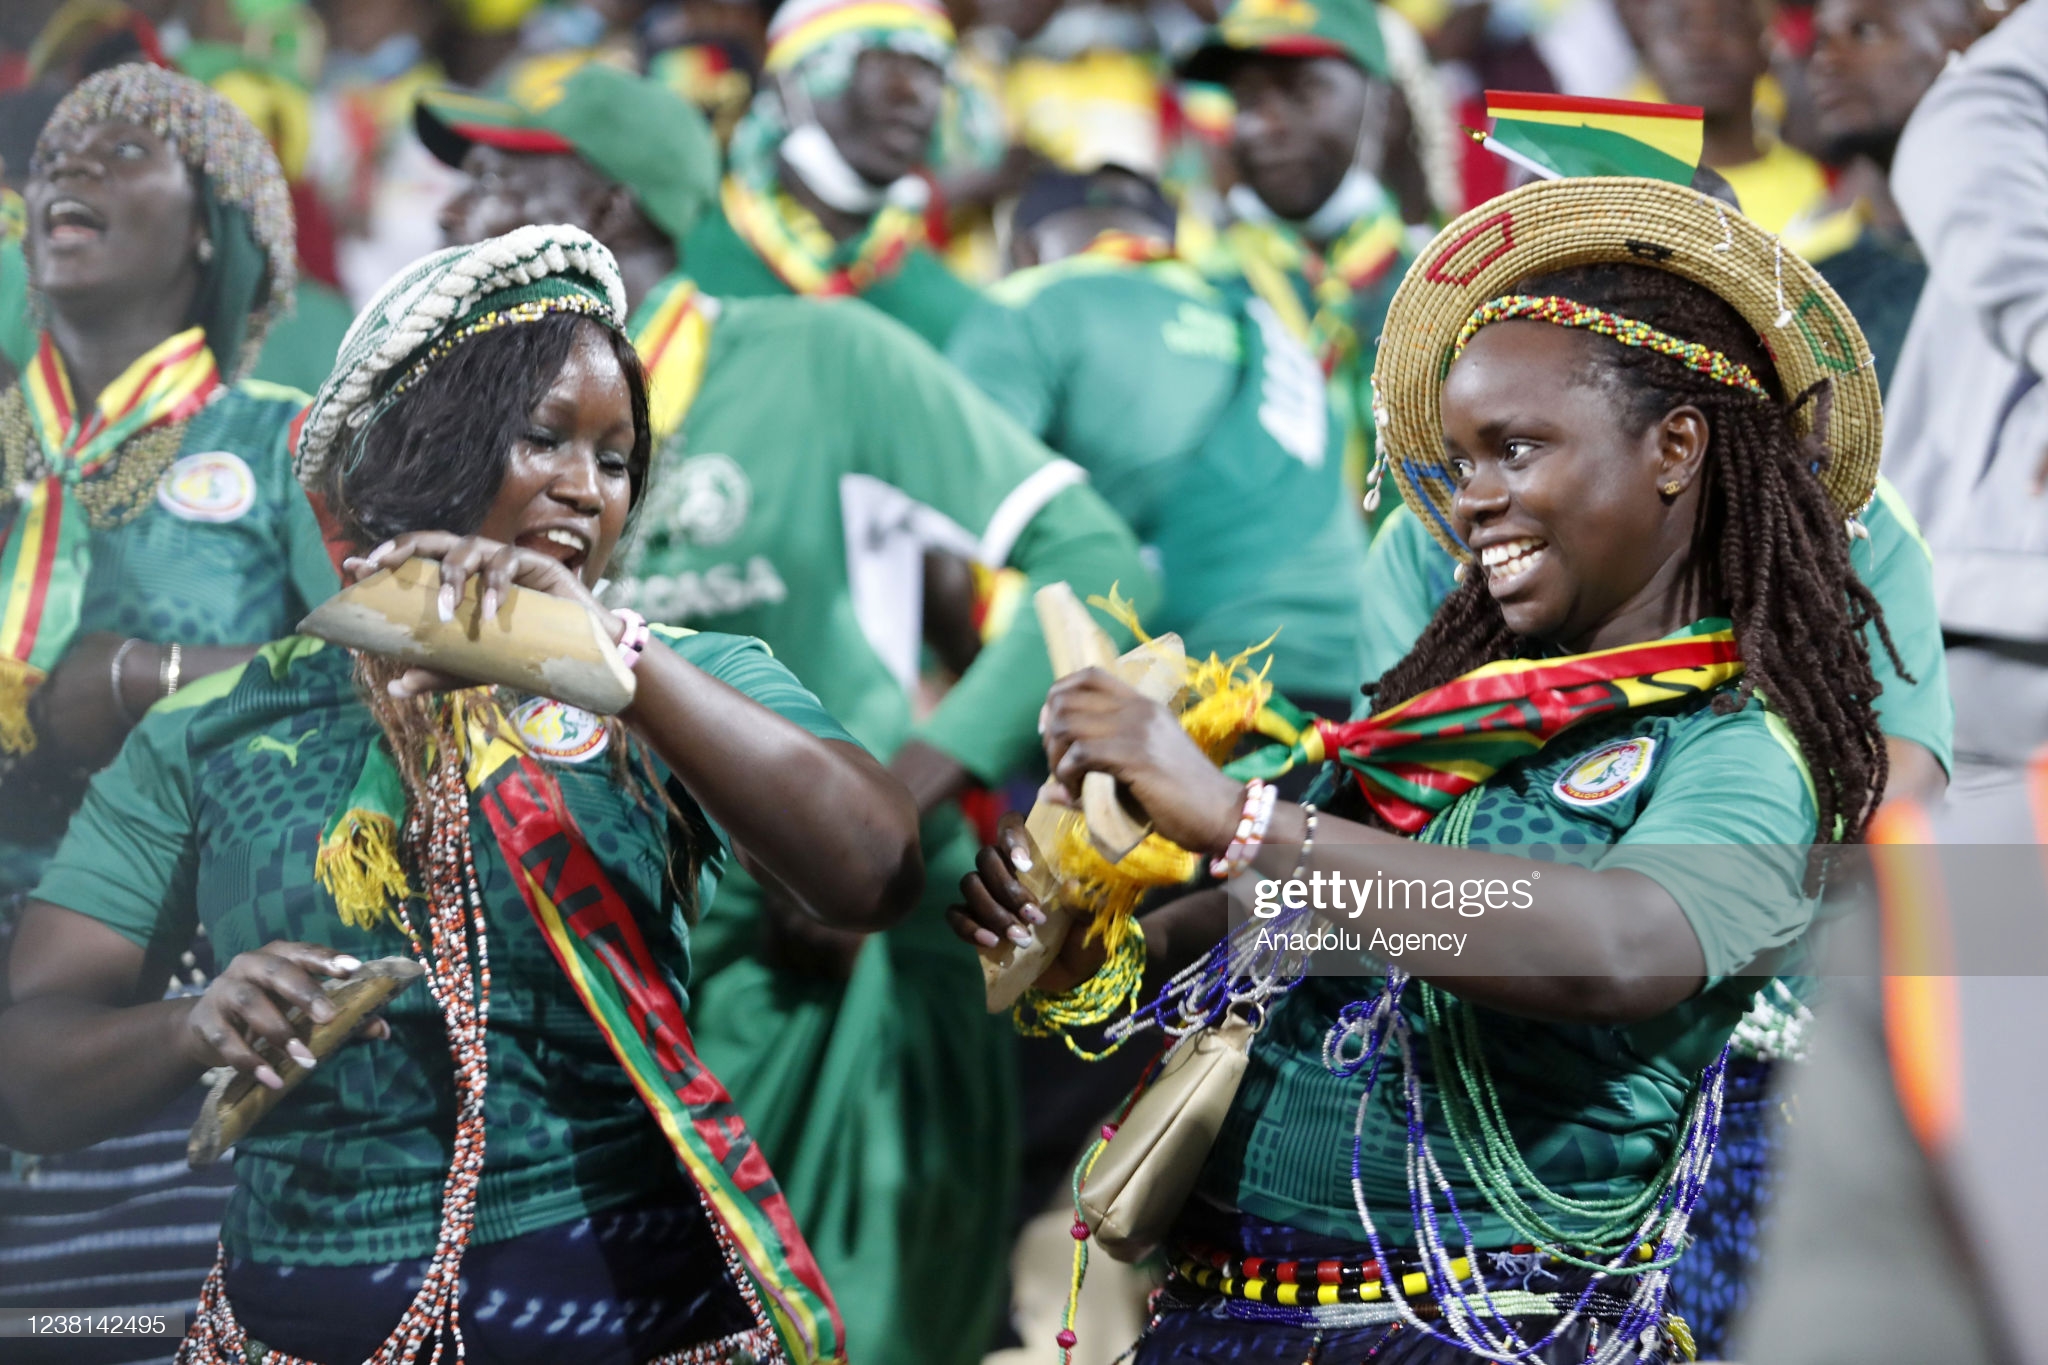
(919, 292)
(17, 329)
(1594, 1110)
(300, 347)
(825, 449)
(212, 815)
(1334, 298)
(1410, 574)
(1205, 424)
(228, 552)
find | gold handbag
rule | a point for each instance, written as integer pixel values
(1143, 1176)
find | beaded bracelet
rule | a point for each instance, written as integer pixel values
(1308, 840)
(633, 640)
(1259, 801)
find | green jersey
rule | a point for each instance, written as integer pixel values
(1410, 574)
(17, 327)
(1333, 298)
(1205, 424)
(825, 449)
(212, 815)
(915, 288)
(300, 347)
(228, 553)
(1595, 1110)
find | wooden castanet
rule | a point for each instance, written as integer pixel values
(538, 643)
(236, 1101)
(1157, 669)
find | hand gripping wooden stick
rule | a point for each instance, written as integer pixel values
(1156, 669)
(237, 1101)
(545, 645)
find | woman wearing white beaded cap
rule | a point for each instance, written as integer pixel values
(541, 863)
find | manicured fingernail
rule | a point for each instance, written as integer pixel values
(986, 938)
(268, 1078)
(1032, 914)
(1020, 858)
(381, 550)
(1041, 722)
(1020, 936)
(344, 964)
(396, 688)
(320, 1011)
(446, 601)
(490, 604)
(301, 1054)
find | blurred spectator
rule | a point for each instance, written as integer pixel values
(1872, 61)
(381, 186)
(823, 194)
(1317, 239)
(1712, 53)
(1967, 431)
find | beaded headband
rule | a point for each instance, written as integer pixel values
(490, 319)
(1628, 331)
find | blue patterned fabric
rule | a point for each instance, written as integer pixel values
(1711, 1286)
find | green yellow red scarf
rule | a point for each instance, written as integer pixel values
(1360, 257)
(1412, 761)
(46, 553)
(595, 939)
(672, 333)
(804, 256)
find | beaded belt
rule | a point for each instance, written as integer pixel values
(1344, 1294)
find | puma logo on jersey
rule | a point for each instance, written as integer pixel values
(270, 744)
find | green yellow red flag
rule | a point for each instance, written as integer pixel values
(1555, 136)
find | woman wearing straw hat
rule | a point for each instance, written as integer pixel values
(1646, 431)
(601, 1200)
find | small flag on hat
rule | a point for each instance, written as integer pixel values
(1553, 136)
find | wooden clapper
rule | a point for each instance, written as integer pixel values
(1157, 669)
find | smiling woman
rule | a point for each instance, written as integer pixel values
(316, 810)
(1651, 473)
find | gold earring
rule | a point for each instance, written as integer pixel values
(1674, 488)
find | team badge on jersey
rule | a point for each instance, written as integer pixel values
(1606, 773)
(708, 500)
(214, 486)
(562, 734)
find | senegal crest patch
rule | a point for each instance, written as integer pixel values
(1606, 773)
(213, 486)
(561, 734)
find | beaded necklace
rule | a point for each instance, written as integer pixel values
(456, 956)
(117, 494)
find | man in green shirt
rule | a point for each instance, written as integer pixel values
(1316, 236)
(1198, 415)
(824, 195)
(808, 456)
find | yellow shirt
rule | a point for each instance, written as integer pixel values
(1779, 189)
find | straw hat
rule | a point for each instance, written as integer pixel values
(1555, 224)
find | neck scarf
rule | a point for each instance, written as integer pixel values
(1360, 256)
(45, 543)
(672, 333)
(1413, 761)
(803, 255)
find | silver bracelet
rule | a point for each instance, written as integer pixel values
(114, 680)
(1308, 840)
(170, 672)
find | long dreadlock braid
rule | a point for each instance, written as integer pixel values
(1768, 548)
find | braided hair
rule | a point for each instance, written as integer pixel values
(1768, 547)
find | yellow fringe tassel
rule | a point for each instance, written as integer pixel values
(18, 682)
(358, 864)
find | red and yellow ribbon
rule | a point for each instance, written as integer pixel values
(45, 555)
(673, 336)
